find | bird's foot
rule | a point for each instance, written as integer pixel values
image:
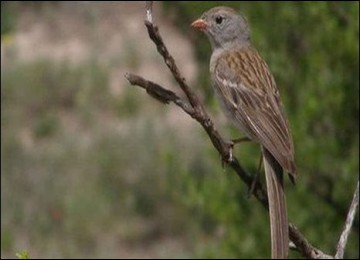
(227, 159)
(240, 140)
(255, 180)
(230, 147)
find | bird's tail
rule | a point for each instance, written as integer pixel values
(277, 207)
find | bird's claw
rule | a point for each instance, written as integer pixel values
(228, 158)
(240, 140)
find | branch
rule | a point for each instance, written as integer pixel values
(161, 94)
(148, 8)
(170, 62)
(348, 223)
(196, 110)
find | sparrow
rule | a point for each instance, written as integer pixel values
(248, 95)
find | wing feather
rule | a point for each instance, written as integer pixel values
(248, 94)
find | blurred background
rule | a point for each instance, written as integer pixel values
(92, 167)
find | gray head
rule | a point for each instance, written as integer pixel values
(224, 27)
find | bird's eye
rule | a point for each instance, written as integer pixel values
(219, 19)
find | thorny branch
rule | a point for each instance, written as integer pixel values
(196, 110)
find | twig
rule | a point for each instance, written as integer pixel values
(170, 62)
(148, 8)
(196, 110)
(348, 223)
(163, 95)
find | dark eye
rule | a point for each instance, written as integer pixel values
(219, 19)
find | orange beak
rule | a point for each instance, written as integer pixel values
(199, 24)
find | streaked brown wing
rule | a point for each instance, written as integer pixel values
(248, 92)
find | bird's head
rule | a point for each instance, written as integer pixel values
(224, 26)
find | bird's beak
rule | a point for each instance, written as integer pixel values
(199, 24)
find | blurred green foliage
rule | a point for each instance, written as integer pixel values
(23, 254)
(85, 173)
(7, 19)
(66, 178)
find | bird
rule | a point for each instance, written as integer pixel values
(248, 96)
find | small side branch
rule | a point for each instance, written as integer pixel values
(348, 223)
(161, 94)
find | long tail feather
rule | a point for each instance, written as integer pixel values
(277, 207)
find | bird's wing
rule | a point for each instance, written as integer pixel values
(244, 82)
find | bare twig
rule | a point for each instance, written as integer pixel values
(196, 110)
(148, 8)
(170, 62)
(163, 95)
(348, 223)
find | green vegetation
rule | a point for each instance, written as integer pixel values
(87, 173)
(23, 254)
(7, 19)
